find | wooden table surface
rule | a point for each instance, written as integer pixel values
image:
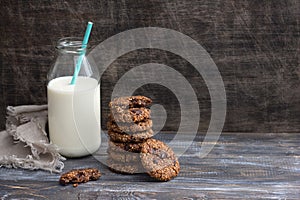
(241, 165)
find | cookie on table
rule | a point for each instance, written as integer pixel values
(125, 147)
(129, 127)
(130, 102)
(130, 115)
(77, 176)
(124, 157)
(130, 137)
(159, 160)
(125, 168)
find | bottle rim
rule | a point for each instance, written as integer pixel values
(70, 45)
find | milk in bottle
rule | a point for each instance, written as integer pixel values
(73, 110)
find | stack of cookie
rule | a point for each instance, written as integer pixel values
(129, 126)
(131, 148)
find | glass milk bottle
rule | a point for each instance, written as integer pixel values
(74, 110)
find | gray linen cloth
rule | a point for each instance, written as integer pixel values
(24, 143)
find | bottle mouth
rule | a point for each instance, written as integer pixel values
(71, 45)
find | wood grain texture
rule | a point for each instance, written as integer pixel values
(241, 166)
(254, 43)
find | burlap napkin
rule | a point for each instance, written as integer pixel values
(25, 144)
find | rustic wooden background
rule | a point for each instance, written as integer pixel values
(255, 44)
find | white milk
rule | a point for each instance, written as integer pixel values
(74, 115)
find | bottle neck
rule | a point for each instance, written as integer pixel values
(70, 52)
(71, 45)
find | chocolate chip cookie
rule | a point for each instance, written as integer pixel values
(159, 160)
(130, 102)
(125, 147)
(129, 127)
(77, 176)
(130, 137)
(124, 157)
(125, 168)
(130, 115)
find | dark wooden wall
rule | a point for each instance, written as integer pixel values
(255, 44)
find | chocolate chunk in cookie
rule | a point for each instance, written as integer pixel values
(125, 168)
(129, 127)
(130, 115)
(130, 102)
(130, 137)
(125, 147)
(159, 160)
(77, 176)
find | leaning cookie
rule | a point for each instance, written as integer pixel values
(130, 137)
(159, 160)
(129, 127)
(125, 168)
(130, 102)
(130, 115)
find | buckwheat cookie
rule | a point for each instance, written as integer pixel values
(126, 157)
(159, 160)
(130, 102)
(124, 147)
(125, 168)
(130, 115)
(77, 176)
(129, 127)
(130, 137)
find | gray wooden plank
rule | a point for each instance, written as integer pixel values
(248, 165)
